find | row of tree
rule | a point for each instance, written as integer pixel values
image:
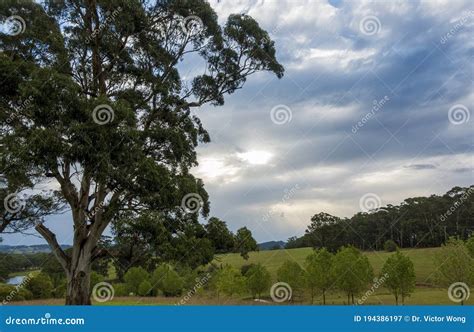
(416, 222)
(151, 239)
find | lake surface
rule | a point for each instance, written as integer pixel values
(15, 280)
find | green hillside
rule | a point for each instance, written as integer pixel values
(272, 259)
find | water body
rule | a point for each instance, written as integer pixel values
(15, 280)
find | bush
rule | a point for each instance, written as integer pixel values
(14, 293)
(172, 284)
(145, 288)
(121, 289)
(246, 267)
(390, 246)
(159, 275)
(40, 286)
(134, 277)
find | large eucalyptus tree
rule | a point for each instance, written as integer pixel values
(93, 104)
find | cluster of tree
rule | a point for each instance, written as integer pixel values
(416, 222)
(152, 238)
(93, 100)
(347, 271)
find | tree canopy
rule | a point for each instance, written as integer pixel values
(94, 104)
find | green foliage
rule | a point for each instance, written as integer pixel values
(470, 245)
(244, 269)
(318, 274)
(229, 281)
(454, 263)
(145, 288)
(352, 272)
(390, 246)
(14, 293)
(244, 242)
(220, 236)
(121, 289)
(124, 131)
(40, 286)
(399, 275)
(258, 280)
(134, 277)
(416, 222)
(172, 284)
(292, 273)
(167, 280)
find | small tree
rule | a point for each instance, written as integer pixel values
(40, 286)
(291, 273)
(318, 274)
(352, 271)
(229, 281)
(401, 276)
(258, 280)
(145, 288)
(244, 242)
(454, 263)
(134, 277)
(390, 246)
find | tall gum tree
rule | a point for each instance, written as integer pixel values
(93, 100)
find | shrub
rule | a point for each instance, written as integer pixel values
(172, 284)
(14, 293)
(121, 289)
(145, 288)
(229, 281)
(134, 277)
(40, 286)
(390, 246)
(246, 267)
(158, 276)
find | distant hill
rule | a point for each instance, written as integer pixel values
(271, 245)
(28, 249)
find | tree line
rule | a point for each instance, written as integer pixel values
(416, 222)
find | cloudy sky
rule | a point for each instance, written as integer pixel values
(376, 101)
